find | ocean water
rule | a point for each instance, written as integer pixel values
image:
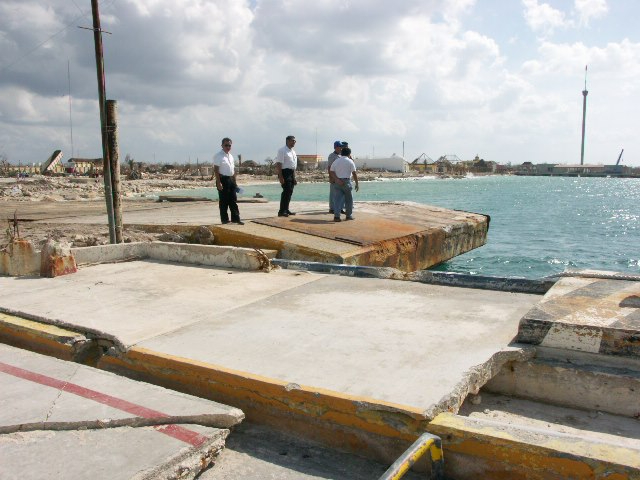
(539, 225)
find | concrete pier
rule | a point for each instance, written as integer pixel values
(405, 235)
(360, 364)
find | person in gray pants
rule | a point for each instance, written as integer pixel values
(337, 149)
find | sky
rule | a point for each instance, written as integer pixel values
(501, 79)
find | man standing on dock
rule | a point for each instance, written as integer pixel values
(341, 171)
(337, 149)
(286, 163)
(224, 170)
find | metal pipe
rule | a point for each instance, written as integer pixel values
(425, 443)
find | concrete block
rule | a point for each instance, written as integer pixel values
(185, 253)
(588, 314)
(19, 258)
(588, 381)
(109, 253)
(212, 255)
(56, 259)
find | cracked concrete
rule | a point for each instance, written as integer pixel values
(75, 418)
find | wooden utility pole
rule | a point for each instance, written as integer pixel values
(106, 168)
(114, 162)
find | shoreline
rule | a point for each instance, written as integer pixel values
(60, 189)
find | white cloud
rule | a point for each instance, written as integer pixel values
(188, 72)
(589, 9)
(542, 17)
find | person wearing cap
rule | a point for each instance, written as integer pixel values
(337, 148)
(224, 171)
(341, 171)
(286, 163)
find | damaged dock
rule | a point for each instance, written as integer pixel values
(405, 236)
(514, 376)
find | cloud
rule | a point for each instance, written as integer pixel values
(543, 18)
(188, 72)
(588, 9)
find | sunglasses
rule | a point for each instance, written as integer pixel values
(227, 145)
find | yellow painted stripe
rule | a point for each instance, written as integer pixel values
(39, 337)
(247, 390)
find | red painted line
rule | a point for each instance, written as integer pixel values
(175, 431)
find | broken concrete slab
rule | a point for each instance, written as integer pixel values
(74, 418)
(160, 297)
(347, 357)
(590, 312)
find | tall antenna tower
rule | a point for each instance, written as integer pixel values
(584, 113)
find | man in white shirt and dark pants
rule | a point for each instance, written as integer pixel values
(341, 171)
(286, 164)
(225, 173)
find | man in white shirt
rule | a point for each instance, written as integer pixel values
(341, 171)
(286, 163)
(225, 173)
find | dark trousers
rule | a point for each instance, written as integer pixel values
(227, 199)
(287, 189)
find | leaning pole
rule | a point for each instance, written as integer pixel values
(584, 113)
(106, 166)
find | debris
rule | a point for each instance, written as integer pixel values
(202, 235)
(56, 259)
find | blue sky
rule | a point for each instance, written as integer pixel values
(498, 78)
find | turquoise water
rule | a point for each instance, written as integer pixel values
(539, 225)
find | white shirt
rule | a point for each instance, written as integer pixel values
(224, 162)
(343, 167)
(287, 158)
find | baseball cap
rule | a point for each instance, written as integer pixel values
(337, 143)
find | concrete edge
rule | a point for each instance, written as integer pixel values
(237, 236)
(39, 327)
(478, 376)
(573, 379)
(502, 451)
(43, 338)
(194, 254)
(189, 462)
(366, 426)
(555, 333)
(451, 279)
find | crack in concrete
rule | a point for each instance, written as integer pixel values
(217, 420)
(55, 401)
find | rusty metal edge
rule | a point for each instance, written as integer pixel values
(483, 282)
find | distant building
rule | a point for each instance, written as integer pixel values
(592, 170)
(394, 163)
(544, 168)
(84, 166)
(310, 162)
